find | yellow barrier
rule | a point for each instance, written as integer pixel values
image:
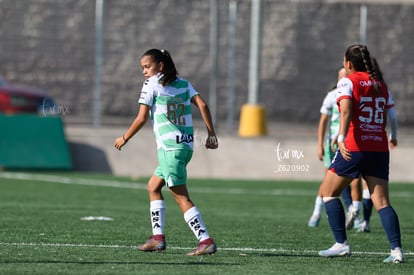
(252, 121)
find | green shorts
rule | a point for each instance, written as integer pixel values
(172, 166)
(328, 153)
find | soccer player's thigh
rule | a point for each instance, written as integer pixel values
(340, 174)
(174, 166)
(376, 175)
(333, 184)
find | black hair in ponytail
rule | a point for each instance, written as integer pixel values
(169, 71)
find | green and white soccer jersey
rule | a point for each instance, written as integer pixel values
(330, 108)
(170, 112)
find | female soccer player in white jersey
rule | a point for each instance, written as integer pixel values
(166, 99)
(362, 151)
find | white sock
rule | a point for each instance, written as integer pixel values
(326, 199)
(317, 211)
(366, 194)
(357, 204)
(157, 212)
(193, 218)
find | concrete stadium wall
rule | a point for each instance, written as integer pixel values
(50, 44)
(288, 152)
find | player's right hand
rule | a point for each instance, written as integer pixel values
(346, 154)
(119, 142)
(212, 142)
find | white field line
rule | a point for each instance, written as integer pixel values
(143, 186)
(235, 249)
(68, 180)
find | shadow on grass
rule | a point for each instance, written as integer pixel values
(114, 262)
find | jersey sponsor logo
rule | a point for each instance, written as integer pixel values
(184, 138)
(142, 95)
(365, 83)
(371, 138)
(365, 127)
(342, 88)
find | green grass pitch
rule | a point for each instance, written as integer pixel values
(260, 228)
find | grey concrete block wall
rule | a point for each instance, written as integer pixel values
(288, 153)
(50, 44)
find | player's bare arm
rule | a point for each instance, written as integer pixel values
(323, 122)
(346, 115)
(212, 141)
(136, 125)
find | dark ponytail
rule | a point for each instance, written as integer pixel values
(361, 60)
(169, 71)
(377, 69)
